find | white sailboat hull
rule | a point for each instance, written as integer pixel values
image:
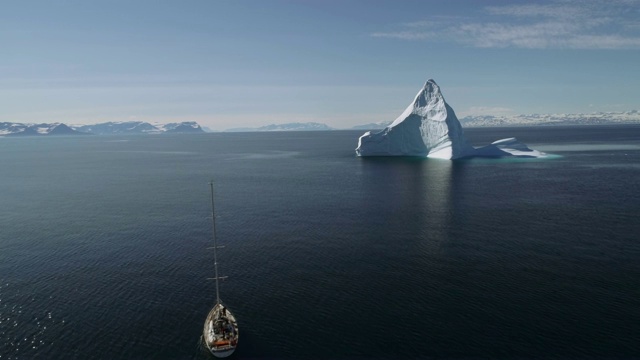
(220, 333)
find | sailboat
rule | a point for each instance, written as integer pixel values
(220, 333)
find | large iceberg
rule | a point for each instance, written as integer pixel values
(429, 127)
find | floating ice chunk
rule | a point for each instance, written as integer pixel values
(507, 147)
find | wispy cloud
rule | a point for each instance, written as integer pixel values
(568, 24)
(409, 35)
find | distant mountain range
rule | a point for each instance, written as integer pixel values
(598, 118)
(373, 126)
(18, 129)
(108, 128)
(141, 127)
(136, 127)
(309, 126)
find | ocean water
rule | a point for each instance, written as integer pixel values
(103, 247)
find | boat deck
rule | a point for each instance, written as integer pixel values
(220, 330)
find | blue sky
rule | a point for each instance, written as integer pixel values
(249, 63)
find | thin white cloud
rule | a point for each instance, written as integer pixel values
(408, 35)
(603, 42)
(555, 10)
(559, 24)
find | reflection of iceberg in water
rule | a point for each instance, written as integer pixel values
(418, 197)
(429, 128)
(437, 194)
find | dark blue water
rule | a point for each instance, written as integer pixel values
(103, 247)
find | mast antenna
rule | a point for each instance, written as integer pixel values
(215, 243)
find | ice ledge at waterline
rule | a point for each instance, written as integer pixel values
(429, 127)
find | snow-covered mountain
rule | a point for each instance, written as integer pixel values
(372, 126)
(308, 126)
(124, 127)
(108, 128)
(17, 129)
(429, 128)
(182, 127)
(140, 127)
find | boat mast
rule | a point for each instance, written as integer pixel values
(215, 244)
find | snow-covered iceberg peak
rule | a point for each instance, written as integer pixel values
(428, 127)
